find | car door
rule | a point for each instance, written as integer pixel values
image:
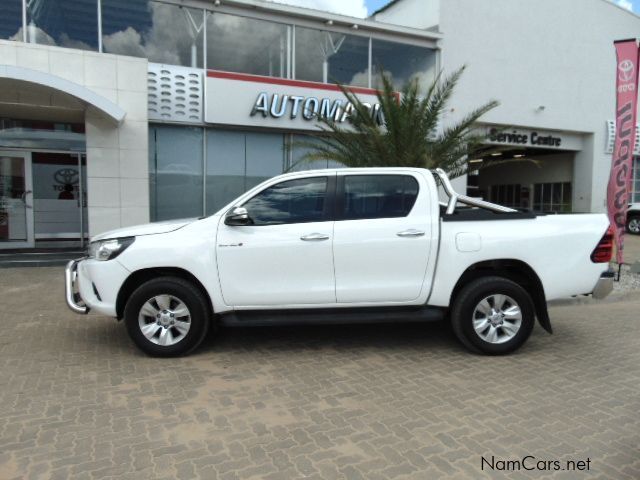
(382, 237)
(283, 258)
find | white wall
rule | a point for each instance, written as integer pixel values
(557, 54)
(117, 155)
(423, 14)
(527, 54)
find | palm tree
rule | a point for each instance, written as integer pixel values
(410, 136)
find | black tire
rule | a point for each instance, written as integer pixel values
(189, 295)
(633, 224)
(464, 307)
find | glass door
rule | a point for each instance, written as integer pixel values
(16, 197)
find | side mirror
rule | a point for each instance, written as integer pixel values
(237, 216)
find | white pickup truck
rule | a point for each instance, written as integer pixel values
(344, 246)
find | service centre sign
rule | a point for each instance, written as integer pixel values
(253, 100)
(522, 137)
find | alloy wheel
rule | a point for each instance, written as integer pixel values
(164, 320)
(497, 318)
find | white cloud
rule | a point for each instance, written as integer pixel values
(628, 4)
(352, 8)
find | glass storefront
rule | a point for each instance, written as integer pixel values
(37, 134)
(235, 162)
(246, 45)
(175, 171)
(170, 33)
(331, 57)
(301, 145)
(11, 20)
(402, 63)
(161, 32)
(63, 23)
(552, 197)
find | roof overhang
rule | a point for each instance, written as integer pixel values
(109, 109)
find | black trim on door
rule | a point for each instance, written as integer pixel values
(330, 200)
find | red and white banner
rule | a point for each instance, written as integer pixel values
(627, 53)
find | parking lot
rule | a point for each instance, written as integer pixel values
(368, 402)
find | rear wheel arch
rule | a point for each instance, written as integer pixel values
(139, 277)
(515, 270)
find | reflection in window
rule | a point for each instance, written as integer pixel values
(239, 44)
(162, 33)
(293, 201)
(238, 161)
(21, 133)
(331, 57)
(378, 196)
(402, 63)
(64, 23)
(301, 146)
(175, 171)
(11, 20)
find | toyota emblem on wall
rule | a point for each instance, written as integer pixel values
(66, 176)
(626, 70)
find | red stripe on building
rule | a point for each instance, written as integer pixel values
(245, 77)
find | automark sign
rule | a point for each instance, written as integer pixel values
(251, 100)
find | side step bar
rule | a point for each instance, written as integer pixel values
(331, 316)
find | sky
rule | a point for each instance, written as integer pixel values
(362, 8)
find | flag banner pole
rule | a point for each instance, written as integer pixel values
(628, 59)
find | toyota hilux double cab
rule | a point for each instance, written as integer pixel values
(344, 246)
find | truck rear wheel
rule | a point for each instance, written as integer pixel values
(493, 316)
(633, 224)
(167, 317)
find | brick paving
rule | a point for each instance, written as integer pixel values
(368, 402)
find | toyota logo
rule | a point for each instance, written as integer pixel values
(627, 70)
(66, 176)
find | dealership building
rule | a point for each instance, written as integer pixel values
(120, 112)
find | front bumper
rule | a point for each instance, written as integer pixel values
(604, 286)
(92, 285)
(71, 294)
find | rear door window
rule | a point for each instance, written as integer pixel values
(377, 196)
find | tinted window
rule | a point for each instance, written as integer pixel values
(331, 57)
(378, 196)
(175, 171)
(163, 33)
(68, 23)
(246, 45)
(402, 63)
(11, 20)
(293, 201)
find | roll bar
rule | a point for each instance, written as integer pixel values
(455, 198)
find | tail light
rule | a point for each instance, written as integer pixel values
(604, 250)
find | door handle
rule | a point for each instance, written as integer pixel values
(314, 237)
(411, 233)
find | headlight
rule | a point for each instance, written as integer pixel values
(109, 249)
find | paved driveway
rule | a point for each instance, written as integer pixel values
(371, 402)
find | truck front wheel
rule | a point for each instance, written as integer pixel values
(493, 316)
(167, 316)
